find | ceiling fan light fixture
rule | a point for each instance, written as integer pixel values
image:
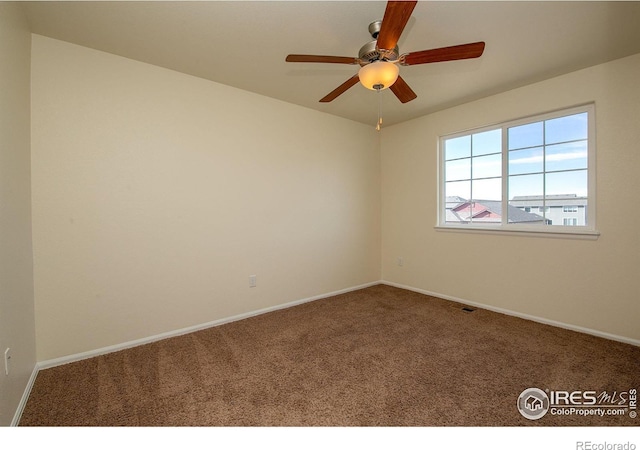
(378, 73)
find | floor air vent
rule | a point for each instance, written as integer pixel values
(467, 309)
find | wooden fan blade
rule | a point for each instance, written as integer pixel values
(340, 89)
(402, 90)
(395, 19)
(321, 59)
(464, 51)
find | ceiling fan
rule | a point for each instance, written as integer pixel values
(379, 58)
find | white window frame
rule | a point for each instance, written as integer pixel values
(588, 231)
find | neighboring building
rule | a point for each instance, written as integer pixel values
(461, 210)
(565, 209)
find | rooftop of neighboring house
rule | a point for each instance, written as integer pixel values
(549, 200)
(458, 209)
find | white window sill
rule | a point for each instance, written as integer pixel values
(558, 232)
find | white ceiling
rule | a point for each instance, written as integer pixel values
(244, 44)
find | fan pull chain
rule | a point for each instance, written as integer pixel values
(378, 88)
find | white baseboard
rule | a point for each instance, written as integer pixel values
(25, 397)
(509, 312)
(114, 348)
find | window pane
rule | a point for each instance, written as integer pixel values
(524, 136)
(568, 128)
(567, 183)
(487, 166)
(457, 148)
(487, 142)
(458, 169)
(460, 189)
(525, 161)
(489, 189)
(568, 156)
(526, 185)
(546, 162)
(457, 207)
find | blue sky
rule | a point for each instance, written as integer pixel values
(559, 144)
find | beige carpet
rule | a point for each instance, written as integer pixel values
(380, 356)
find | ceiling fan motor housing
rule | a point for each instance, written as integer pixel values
(370, 52)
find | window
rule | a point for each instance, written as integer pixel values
(522, 175)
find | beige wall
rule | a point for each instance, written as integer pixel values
(157, 194)
(582, 283)
(16, 265)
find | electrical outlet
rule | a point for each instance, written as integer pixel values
(400, 261)
(7, 358)
(252, 281)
